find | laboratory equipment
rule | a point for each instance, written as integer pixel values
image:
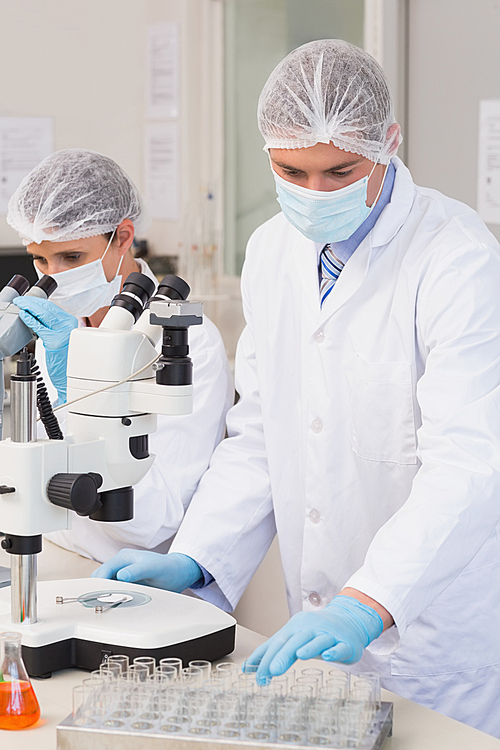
(222, 714)
(18, 704)
(13, 333)
(117, 384)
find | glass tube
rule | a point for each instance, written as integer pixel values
(373, 679)
(171, 661)
(261, 718)
(83, 709)
(231, 716)
(163, 676)
(205, 666)
(351, 728)
(291, 721)
(121, 660)
(312, 681)
(147, 661)
(302, 691)
(192, 676)
(168, 670)
(139, 672)
(331, 693)
(313, 672)
(322, 728)
(339, 679)
(106, 673)
(228, 671)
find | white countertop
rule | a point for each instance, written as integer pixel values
(415, 727)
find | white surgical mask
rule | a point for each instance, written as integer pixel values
(325, 216)
(83, 290)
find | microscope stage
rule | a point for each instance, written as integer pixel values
(150, 622)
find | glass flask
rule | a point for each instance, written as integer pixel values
(18, 704)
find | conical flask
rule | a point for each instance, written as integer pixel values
(18, 704)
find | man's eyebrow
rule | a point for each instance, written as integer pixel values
(345, 164)
(335, 167)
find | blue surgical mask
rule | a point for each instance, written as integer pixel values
(322, 216)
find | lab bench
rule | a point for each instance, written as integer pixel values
(415, 727)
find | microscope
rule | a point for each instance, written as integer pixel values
(117, 385)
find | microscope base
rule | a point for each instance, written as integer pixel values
(151, 622)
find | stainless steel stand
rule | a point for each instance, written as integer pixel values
(23, 567)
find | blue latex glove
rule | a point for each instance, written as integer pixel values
(173, 571)
(339, 632)
(53, 326)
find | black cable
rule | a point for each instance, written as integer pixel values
(47, 415)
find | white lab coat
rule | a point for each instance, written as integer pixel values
(368, 436)
(183, 446)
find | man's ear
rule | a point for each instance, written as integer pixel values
(124, 236)
(393, 138)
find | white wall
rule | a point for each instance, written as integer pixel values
(454, 62)
(83, 62)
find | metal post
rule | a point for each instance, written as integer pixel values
(23, 589)
(23, 411)
(23, 430)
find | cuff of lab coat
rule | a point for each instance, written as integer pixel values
(210, 590)
(207, 578)
(390, 639)
(213, 595)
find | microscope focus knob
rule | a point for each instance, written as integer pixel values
(78, 492)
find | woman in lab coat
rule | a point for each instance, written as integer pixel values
(367, 435)
(77, 213)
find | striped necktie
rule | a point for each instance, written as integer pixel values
(331, 267)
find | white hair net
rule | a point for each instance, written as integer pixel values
(74, 194)
(326, 91)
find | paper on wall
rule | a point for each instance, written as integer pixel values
(24, 142)
(163, 71)
(488, 192)
(161, 170)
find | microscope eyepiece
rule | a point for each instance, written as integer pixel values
(47, 284)
(19, 283)
(173, 287)
(140, 285)
(136, 291)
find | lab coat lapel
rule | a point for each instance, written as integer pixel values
(349, 280)
(306, 269)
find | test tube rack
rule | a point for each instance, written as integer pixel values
(72, 737)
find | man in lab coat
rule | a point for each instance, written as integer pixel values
(368, 429)
(77, 212)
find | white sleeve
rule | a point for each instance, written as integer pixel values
(453, 505)
(230, 522)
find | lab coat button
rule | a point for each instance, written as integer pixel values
(319, 336)
(315, 599)
(314, 516)
(316, 425)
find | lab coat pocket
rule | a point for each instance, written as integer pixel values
(383, 426)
